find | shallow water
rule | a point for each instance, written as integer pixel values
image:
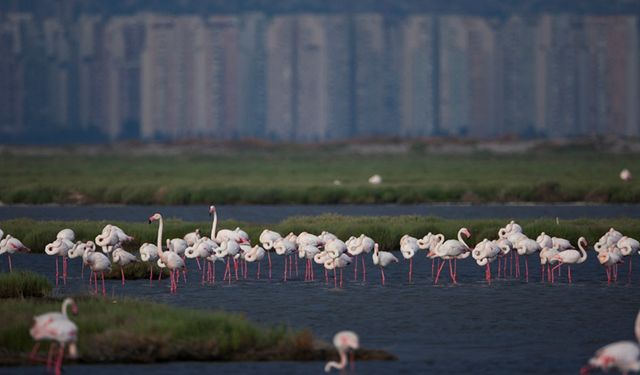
(507, 327)
(275, 213)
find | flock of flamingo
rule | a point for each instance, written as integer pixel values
(234, 247)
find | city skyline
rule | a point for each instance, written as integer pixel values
(318, 77)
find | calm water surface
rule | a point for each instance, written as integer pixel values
(507, 327)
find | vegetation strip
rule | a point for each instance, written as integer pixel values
(315, 175)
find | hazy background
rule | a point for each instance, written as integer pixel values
(317, 71)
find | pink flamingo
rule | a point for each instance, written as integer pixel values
(171, 260)
(382, 259)
(344, 341)
(10, 245)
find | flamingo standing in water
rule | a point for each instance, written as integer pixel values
(622, 355)
(110, 236)
(526, 247)
(255, 254)
(382, 259)
(268, 239)
(344, 341)
(485, 253)
(451, 250)
(628, 246)
(356, 247)
(409, 248)
(609, 259)
(122, 258)
(285, 248)
(170, 259)
(97, 262)
(308, 252)
(340, 262)
(58, 328)
(60, 248)
(10, 245)
(149, 254)
(571, 256)
(78, 251)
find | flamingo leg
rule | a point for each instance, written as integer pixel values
(122, 273)
(50, 356)
(382, 273)
(569, 273)
(57, 274)
(364, 270)
(440, 267)
(526, 267)
(326, 276)
(198, 262)
(296, 266)
(284, 273)
(95, 281)
(335, 285)
(34, 352)
(10, 267)
(340, 277)
(499, 259)
(355, 269)
(410, 268)
(64, 269)
(258, 275)
(59, 361)
(269, 257)
(433, 262)
(104, 291)
(451, 273)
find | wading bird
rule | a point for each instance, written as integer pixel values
(344, 341)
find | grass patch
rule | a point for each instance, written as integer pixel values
(306, 175)
(22, 284)
(385, 230)
(135, 331)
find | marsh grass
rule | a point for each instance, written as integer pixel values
(135, 331)
(386, 230)
(306, 175)
(23, 284)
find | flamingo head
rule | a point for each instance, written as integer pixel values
(212, 210)
(154, 217)
(583, 241)
(74, 308)
(466, 232)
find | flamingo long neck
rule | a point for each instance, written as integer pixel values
(337, 365)
(461, 239)
(583, 251)
(160, 227)
(65, 306)
(214, 225)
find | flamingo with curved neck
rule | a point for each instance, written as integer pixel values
(343, 341)
(171, 260)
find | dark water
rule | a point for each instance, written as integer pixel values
(275, 213)
(508, 327)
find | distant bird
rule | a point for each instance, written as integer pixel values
(344, 341)
(382, 259)
(625, 175)
(98, 262)
(110, 236)
(572, 256)
(10, 245)
(409, 248)
(621, 355)
(149, 254)
(60, 248)
(375, 179)
(256, 254)
(56, 327)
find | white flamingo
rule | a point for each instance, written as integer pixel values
(547, 255)
(308, 252)
(611, 237)
(10, 245)
(622, 355)
(78, 251)
(356, 247)
(170, 259)
(255, 254)
(572, 256)
(344, 341)
(122, 258)
(485, 253)
(526, 247)
(285, 248)
(382, 259)
(267, 239)
(60, 248)
(409, 248)
(98, 263)
(192, 237)
(610, 259)
(628, 246)
(110, 236)
(202, 249)
(56, 327)
(452, 250)
(340, 262)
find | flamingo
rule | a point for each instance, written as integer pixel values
(178, 246)
(546, 258)
(228, 249)
(308, 252)
(625, 175)
(56, 327)
(255, 254)
(409, 248)
(78, 251)
(321, 258)
(339, 262)
(170, 259)
(526, 247)
(382, 259)
(122, 257)
(356, 247)
(428, 243)
(149, 254)
(110, 236)
(622, 355)
(98, 262)
(10, 245)
(510, 228)
(285, 248)
(611, 237)
(572, 256)
(485, 253)
(628, 246)
(451, 249)
(201, 249)
(344, 341)
(609, 259)
(267, 239)
(60, 248)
